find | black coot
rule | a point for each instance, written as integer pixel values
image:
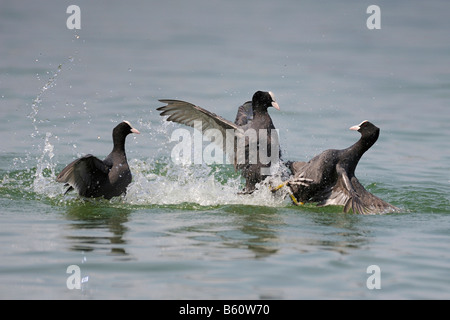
(329, 178)
(92, 177)
(253, 169)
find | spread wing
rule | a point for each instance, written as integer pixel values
(351, 194)
(84, 174)
(191, 115)
(186, 113)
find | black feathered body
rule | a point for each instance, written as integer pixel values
(252, 171)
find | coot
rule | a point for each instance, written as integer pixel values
(329, 178)
(251, 137)
(92, 177)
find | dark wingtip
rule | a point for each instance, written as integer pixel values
(68, 189)
(166, 101)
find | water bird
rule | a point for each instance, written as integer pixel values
(329, 178)
(93, 178)
(187, 113)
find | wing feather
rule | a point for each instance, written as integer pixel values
(83, 174)
(187, 113)
(351, 194)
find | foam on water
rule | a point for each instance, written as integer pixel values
(161, 182)
(199, 184)
(156, 181)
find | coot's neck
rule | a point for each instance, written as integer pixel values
(354, 153)
(258, 111)
(119, 144)
(262, 114)
(262, 118)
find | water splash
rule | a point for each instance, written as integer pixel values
(160, 181)
(44, 177)
(155, 182)
(165, 183)
(38, 100)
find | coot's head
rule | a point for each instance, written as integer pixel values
(121, 131)
(262, 100)
(367, 129)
